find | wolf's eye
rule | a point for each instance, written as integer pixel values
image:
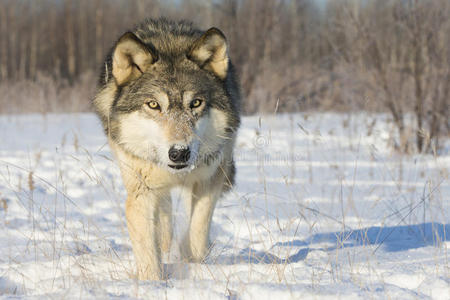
(153, 105)
(196, 103)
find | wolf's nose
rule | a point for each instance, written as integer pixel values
(179, 154)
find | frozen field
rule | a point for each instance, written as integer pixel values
(322, 208)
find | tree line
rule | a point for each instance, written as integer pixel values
(291, 55)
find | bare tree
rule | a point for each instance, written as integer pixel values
(69, 38)
(4, 42)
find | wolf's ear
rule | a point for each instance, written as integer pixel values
(131, 58)
(210, 52)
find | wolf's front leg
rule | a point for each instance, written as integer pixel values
(165, 224)
(142, 212)
(196, 244)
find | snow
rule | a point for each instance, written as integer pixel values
(323, 207)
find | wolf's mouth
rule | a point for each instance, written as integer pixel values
(178, 167)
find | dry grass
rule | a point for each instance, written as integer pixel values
(47, 95)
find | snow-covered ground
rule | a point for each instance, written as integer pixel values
(322, 208)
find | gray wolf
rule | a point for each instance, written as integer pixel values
(168, 99)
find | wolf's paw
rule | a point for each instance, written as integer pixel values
(148, 274)
(190, 253)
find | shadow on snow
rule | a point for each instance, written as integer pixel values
(391, 239)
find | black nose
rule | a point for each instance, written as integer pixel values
(179, 154)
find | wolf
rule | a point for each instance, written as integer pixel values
(168, 99)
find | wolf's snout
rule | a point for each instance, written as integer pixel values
(179, 154)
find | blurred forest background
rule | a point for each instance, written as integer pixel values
(388, 56)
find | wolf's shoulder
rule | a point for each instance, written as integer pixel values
(168, 36)
(165, 28)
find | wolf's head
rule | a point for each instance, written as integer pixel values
(169, 95)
